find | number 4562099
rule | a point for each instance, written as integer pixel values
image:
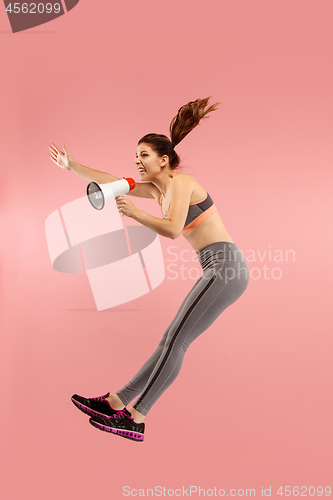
(33, 8)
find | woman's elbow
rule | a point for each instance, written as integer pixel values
(175, 234)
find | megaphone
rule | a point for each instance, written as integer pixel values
(99, 194)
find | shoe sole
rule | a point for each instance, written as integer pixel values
(133, 436)
(87, 410)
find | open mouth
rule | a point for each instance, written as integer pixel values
(142, 170)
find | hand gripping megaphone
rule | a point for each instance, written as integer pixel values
(99, 194)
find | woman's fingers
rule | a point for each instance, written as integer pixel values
(59, 157)
(118, 201)
(121, 203)
(57, 150)
(55, 156)
(55, 147)
(54, 152)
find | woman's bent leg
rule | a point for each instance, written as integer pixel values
(213, 293)
(136, 385)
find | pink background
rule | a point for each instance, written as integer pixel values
(252, 405)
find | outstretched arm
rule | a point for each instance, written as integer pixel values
(64, 160)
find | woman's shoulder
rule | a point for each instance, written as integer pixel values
(187, 179)
(197, 190)
(184, 177)
(184, 181)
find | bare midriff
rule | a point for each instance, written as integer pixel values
(211, 230)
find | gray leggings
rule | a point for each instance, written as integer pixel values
(225, 278)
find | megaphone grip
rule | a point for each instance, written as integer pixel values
(123, 215)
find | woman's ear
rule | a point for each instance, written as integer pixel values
(164, 160)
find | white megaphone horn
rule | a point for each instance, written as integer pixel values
(99, 194)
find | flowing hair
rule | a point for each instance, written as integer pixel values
(187, 118)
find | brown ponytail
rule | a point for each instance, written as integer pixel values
(187, 118)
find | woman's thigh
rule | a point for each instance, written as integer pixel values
(209, 297)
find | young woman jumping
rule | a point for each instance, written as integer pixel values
(189, 210)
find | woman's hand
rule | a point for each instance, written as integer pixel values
(125, 206)
(61, 158)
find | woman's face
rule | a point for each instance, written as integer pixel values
(148, 162)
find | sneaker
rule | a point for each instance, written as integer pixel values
(97, 407)
(121, 424)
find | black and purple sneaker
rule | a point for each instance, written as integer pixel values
(97, 407)
(121, 424)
